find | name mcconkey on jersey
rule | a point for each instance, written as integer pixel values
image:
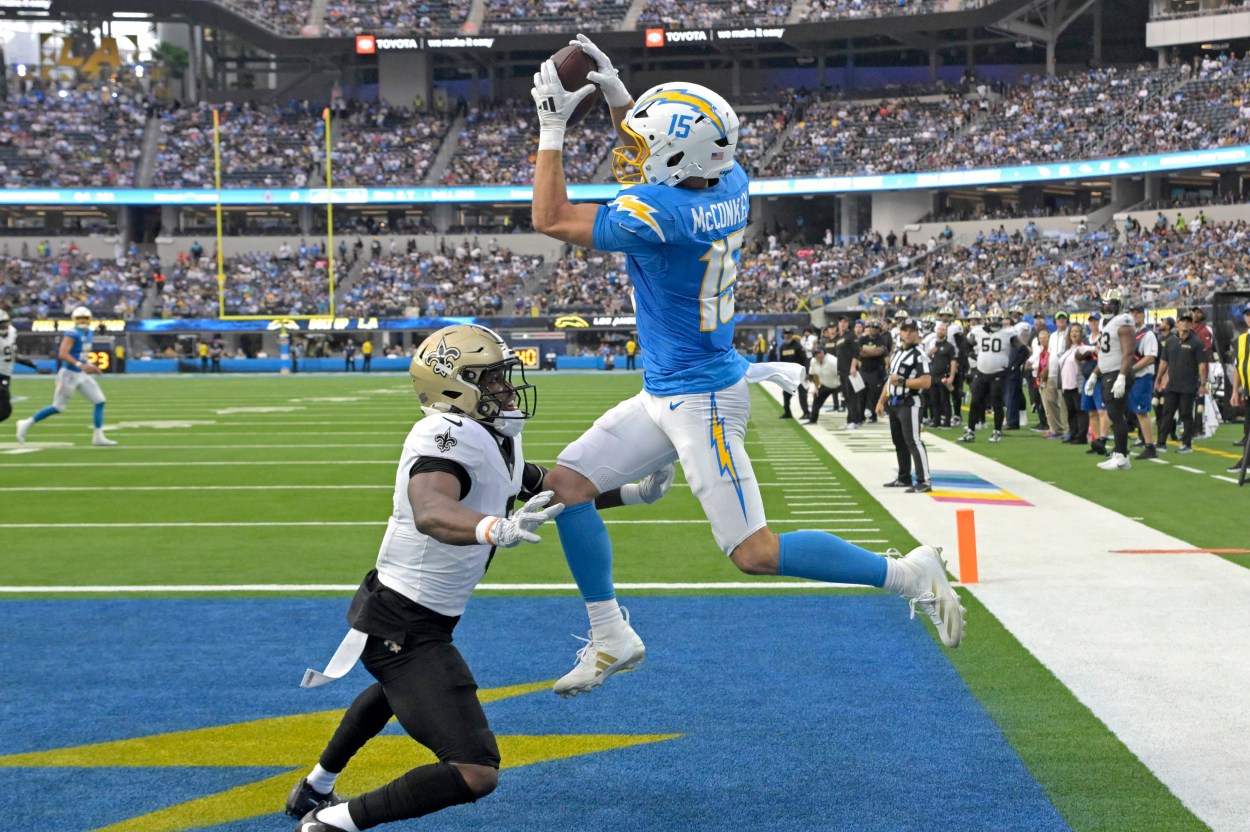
(729, 213)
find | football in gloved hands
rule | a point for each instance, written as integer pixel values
(572, 65)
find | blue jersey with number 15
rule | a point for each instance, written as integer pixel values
(682, 248)
(79, 348)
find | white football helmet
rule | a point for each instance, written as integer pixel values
(4, 320)
(81, 316)
(679, 130)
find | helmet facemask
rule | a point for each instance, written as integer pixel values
(628, 159)
(500, 397)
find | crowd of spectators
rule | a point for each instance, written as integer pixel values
(345, 18)
(818, 10)
(707, 13)
(52, 280)
(261, 147)
(1163, 263)
(383, 145)
(257, 283)
(838, 137)
(285, 16)
(87, 136)
(509, 17)
(499, 143)
(465, 278)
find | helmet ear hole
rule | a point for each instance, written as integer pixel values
(675, 160)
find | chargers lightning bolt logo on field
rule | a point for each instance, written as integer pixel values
(640, 211)
(440, 360)
(723, 455)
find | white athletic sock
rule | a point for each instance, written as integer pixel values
(338, 816)
(321, 780)
(605, 618)
(896, 575)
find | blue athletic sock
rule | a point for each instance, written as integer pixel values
(588, 550)
(819, 556)
(98, 418)
(45, 413)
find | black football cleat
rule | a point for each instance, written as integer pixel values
(920, 488)
(898, 483)
(304, 799)
(309, 823)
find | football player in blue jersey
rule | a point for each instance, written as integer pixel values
(75, 374)
(680, 221)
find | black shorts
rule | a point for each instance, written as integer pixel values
(426, 681)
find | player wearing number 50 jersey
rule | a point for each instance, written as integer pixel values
(75, 374)
(993, 345)
(680, 223)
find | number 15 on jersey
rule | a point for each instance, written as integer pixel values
(716, 296)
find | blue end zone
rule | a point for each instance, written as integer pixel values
(797, 712)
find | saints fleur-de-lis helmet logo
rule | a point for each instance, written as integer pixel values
(441, 358)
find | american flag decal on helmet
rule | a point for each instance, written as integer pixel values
(718, 156)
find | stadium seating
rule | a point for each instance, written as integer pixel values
(260, 283)
(345, 18)
(507, 17)
(818, 10)
(261, 147)
(720, 13)
(386, 146)
(498, 144)
(68, 139)
(39, 287)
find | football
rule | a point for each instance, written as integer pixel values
(572, 65)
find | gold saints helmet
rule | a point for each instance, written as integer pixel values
(1112, 301)
(468, 369)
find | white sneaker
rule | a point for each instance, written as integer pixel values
(1116, 462)
(996, 436)
(100, 440)
(600, 658)
(23, 425)
(929, 589)
(969, 436)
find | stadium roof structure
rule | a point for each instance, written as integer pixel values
(995, 21)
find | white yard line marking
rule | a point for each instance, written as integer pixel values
(284, 523)
(1226, 479)
(163, 588)
(1187, 468)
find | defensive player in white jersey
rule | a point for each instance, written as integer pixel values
(9, 357)
(1116, 343)
(681, 223)
(75, 374)
(993, 355)
(459, 471)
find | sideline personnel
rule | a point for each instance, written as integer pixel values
(908, 376)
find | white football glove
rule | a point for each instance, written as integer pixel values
(506, 532)
(651, 488)
(607, 76)
(1117, 387)
(1091, 384)
(555, 105)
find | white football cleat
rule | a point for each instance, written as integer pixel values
(1116, 462)
(600, 658)
(996, 436)
(929, 589)
(23, 425)
(100, 440)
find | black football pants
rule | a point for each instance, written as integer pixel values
(905, 431)
(986, 386)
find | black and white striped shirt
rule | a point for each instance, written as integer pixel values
(908, 362)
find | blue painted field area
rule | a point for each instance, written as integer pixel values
(795, 713)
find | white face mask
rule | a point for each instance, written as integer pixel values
(509, 423)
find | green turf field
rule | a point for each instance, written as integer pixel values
(227, 481)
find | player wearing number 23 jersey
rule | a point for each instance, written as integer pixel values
(682, 249)
(680, 222)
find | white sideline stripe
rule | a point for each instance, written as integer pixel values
(247, 524)
(1187, 468)
(1226, 479)
(753, 585)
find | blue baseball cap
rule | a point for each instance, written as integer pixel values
(1095, 316)
(1245, 310)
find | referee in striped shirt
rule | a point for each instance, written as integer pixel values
(901, 399)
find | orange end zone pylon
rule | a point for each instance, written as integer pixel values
(966, 526)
